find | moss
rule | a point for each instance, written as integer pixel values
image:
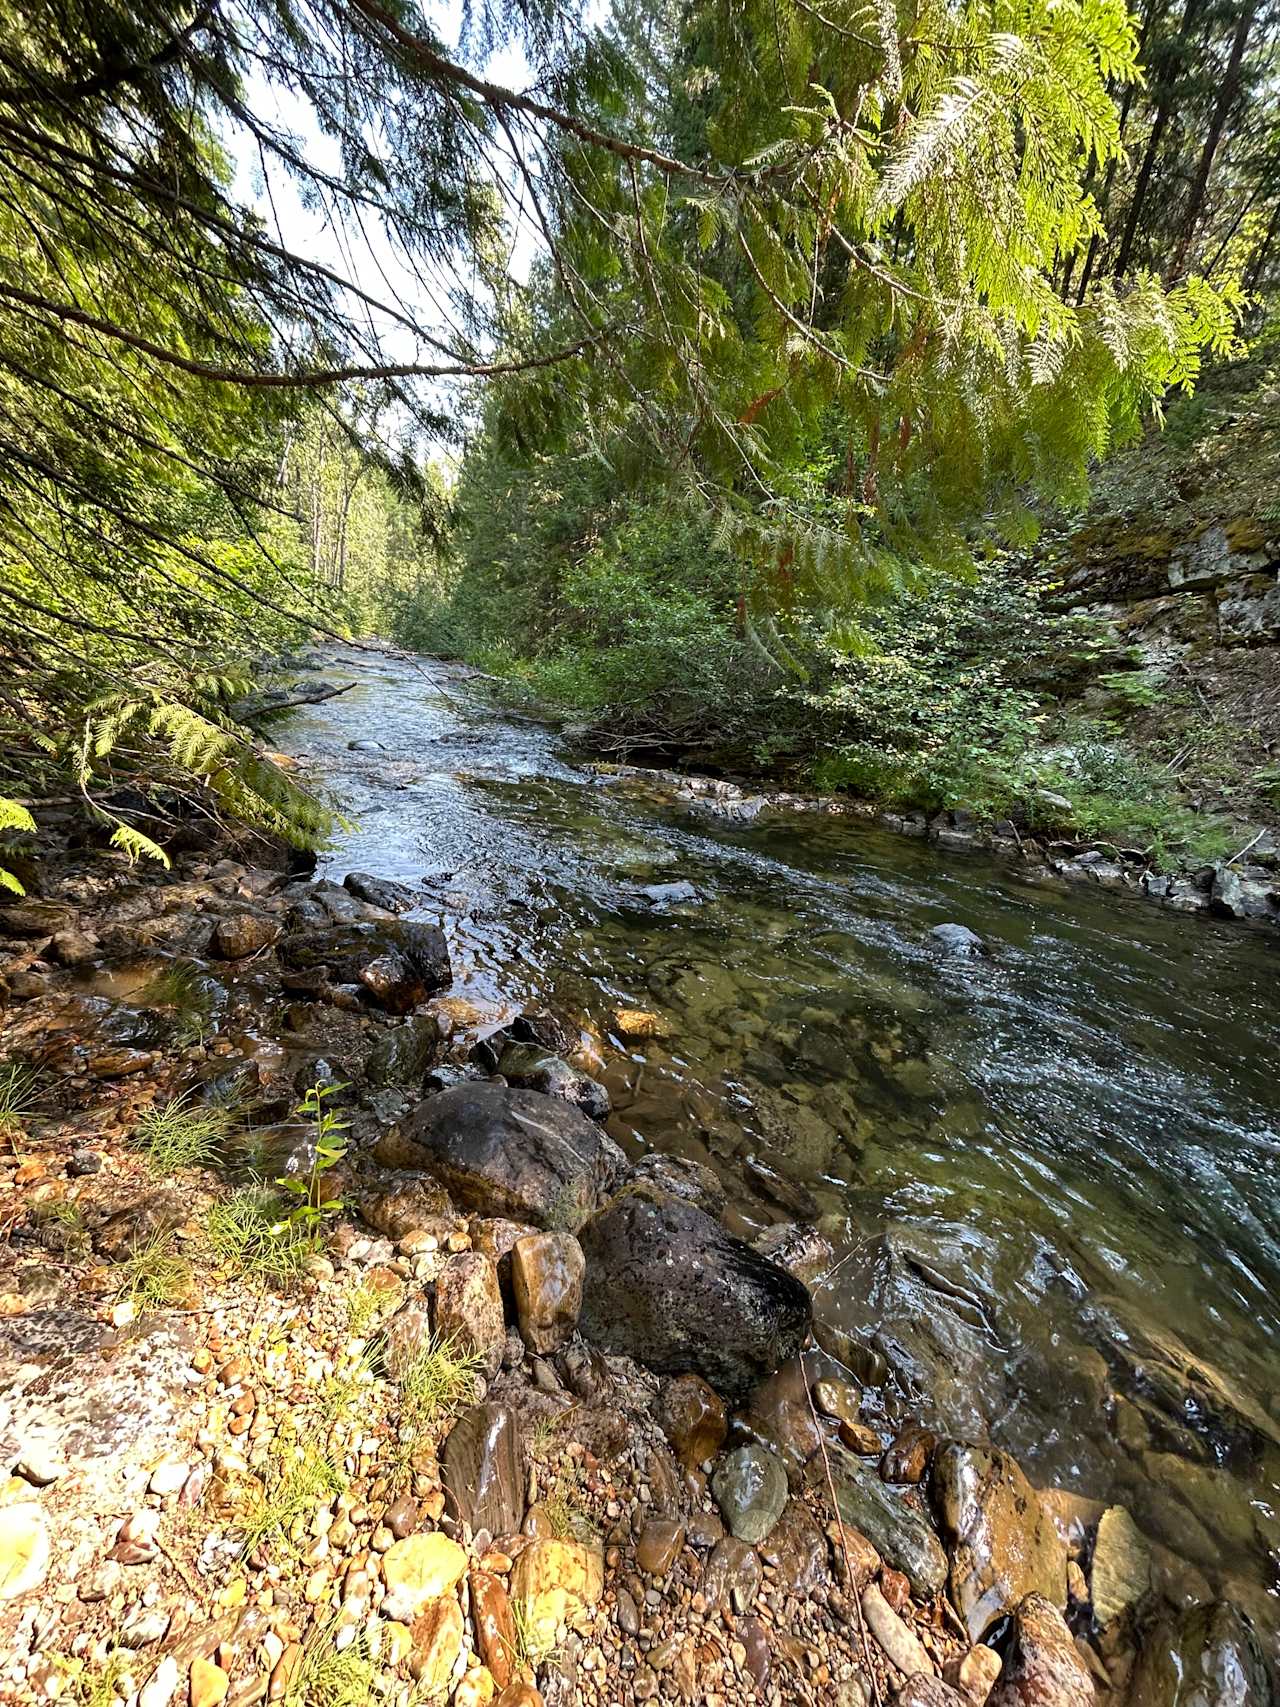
(1245, 533)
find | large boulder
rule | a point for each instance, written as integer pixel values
(1208, 1657)
(400, 962)
(1004, 1545)
(668, 1286)
(510, 1153)
(1042, 1667)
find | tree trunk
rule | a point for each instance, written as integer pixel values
(1217, 124)
(1164, 107)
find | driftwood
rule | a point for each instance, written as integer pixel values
(280, 699)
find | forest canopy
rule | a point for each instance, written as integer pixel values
(848, 281)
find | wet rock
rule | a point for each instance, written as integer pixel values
(693, 1419)
(797, 1550)
(438, 1638)
(958, 940)
(1121, 1571)
(495, 1625)
(1004, 1545)
(398, 961)
(890, 1522)
(682, 1177)
(24, 1549)
(547, 1272)
(908, 1457)
(532, 1068)
(72, 948)
(407, 1336)
(733, 1576)
(484, 1469)
(838, 1399)
(468, 1308)
(406, 1205)
(403, 1055)
(419, 1569)
(381, 892)
(659, 1546)
(750, 1488)
(974, 1673)
(638, 1023)
(922, 1691)
(779, 1412)
(511, 1153)
(668, 1286)
(1207, 1657)
(802, 1250)
(897, 1639)
(551, 1582)
(242, 934)
(1042, 1667)
(32, 918)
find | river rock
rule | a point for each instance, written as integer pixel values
(495, 1625)
(668, 1286)
(468, 1308)
(974, 1673)
(1004, 1545)
(1042, 1666)
(1207, 1657)
(908, 1457)
(1121, 1571)
(891, 1522)
(797, 1550)
(511, 1153)
(896, 1637)
(535, 1069)
(402, 1055)
(398, 961)
(484, 1469)
(32, 918)
(659, 1546)
(546, 1278)
(438, 1638)
(24, 1549)
(921, 1690)
(239, 935)
(779, 1412)
(733, 1576)
(958, 940)
(551, 1582)
(382, 892)
(693, 1419)
(750, 1487)
(419, 1569)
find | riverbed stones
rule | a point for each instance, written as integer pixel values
(733, 1576)
(512, 1153)
(1043, 1667)
(891, 1521)
(1208, 1656)
(400, 962)
(897, 1639)
(668, 1286)
(402, 1055)
(1003, 1543)
(693, 1420)
(552, 1582)
(659, 1545)
(750, 1488)
(438, 1638)
(974, 1672)
(779, 1412)
(495, 1625)
(797, 1551)
(1121, 1571)
(533, 1068)
(547, 1271)
(239, 935)
(420, 1569)
(484, 1469)
(24, 1549)
(468, 1308)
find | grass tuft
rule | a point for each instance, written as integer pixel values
(183, 1134)
(246, 1232)
(186, 991)
(294, 1486)
(327, 1678)
(154, 1276)
(18, 1097)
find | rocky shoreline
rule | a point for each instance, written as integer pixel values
(1243, 890)
(481, 1411)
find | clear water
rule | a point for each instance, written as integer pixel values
(1049, 1176)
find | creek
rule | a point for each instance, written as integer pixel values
(1048, 1174)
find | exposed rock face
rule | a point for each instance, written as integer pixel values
(242, 934)
(400, 962)
(890, 1522)
(1043, 1667)
(1210, 1657)
(546, 1274)
(1004, 1546)
(513, 1153)
(1121, 1571)
(668, 1286)
(750, 1487)
(468, 1308)
(484, 1471)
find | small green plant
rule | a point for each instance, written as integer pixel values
(366, 1305)
(183, 1134)
(328, 1150)
(298, 1479)
(93, 1685)
(188, 993)
(326, 1677)
(19, 1086)
(342, 1391)
(154, 1276)
(535, 1641)
(433, 1385)
(245, 1233)
(64, 1220)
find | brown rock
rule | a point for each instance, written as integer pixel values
(484, 1469)
(495, 1626)
(693, 1419)
(733, 1576)
(974, 1674)
(908, 1458)
(242, 934)
(659, 1546)
(779, 1412)
(519, 1693)
(923, 1691)
(284, 1672)
(437, 1644)
(1043, 1668)
(797, 1549)
(1121, 1570)
(468, 1308)
(1004, 1546)
(552, 1580)
(838, 1399)
(419, 1569)
(860, 1439)
(546, 1277)
(896, 1637)
(407, 1336)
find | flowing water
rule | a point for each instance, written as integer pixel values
(1048, 1174)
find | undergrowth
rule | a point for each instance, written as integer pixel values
(183, 1134)
(154, 1276)
(248, 1233)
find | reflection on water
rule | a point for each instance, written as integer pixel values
(1048, 1175)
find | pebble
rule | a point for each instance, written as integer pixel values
(168, 1477)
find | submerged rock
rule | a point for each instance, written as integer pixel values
(1209, 1657)
(668, 1286)
(891, 1522)
(1121, 1570)
(1004, 1545)
(533, 1068)
(958, 940)
(398, 961)
(511, 1153)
